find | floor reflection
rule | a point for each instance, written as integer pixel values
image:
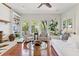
(29, 52)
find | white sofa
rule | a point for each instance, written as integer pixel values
(69, 47)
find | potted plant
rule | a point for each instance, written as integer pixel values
(44, 27)
(17, 34)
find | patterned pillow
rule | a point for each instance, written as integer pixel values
(65, 36)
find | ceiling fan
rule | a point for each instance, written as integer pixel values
(47, 4)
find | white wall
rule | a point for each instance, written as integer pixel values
(42, 17)
(77, 19)
(4, 12)
(4, 15)
(73, 14)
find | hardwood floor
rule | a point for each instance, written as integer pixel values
(14, 51)
(21, 50)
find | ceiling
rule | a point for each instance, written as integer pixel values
(31, 8)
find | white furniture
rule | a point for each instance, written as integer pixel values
(67, 48)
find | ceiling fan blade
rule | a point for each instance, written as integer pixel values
(40, 5)
(47, 4)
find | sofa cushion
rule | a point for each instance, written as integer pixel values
(65, 36)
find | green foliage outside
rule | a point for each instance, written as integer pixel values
(25, 26)
(53, 27)
(34, 23)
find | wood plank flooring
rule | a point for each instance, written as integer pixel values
(21, 50)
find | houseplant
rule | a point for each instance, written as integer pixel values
(43, 27)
